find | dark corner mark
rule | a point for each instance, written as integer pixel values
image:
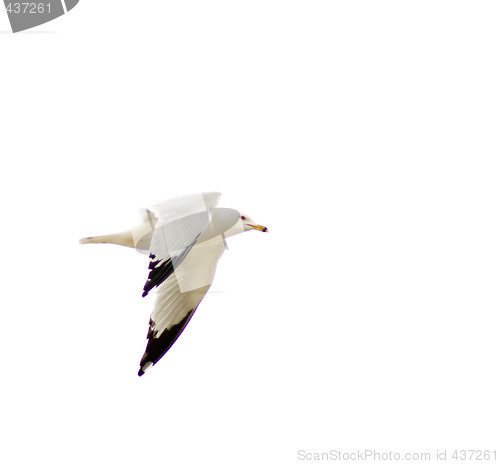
(26, 15)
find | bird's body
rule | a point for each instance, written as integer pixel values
(185, 237)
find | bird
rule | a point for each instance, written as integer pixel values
(184, 238)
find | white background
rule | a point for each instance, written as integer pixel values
(365, 135)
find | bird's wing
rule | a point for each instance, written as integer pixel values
(165, 258)
(172, 238)
(179, 223)
(178, 297)
(182, 207)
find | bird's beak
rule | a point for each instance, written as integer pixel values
(261, 228)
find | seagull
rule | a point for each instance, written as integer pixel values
(184, 238)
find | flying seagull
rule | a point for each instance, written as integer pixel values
(184, 237)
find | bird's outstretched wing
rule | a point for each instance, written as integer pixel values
(178, 296)
(161, 269)
(180, 221)
(179, 224)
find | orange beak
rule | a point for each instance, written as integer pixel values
(261, 228)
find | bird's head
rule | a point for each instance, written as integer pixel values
(250, 224)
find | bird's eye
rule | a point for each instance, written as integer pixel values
(243, 217)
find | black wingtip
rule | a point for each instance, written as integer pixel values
(140, 373)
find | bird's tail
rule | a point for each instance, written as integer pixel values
(124, 239)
